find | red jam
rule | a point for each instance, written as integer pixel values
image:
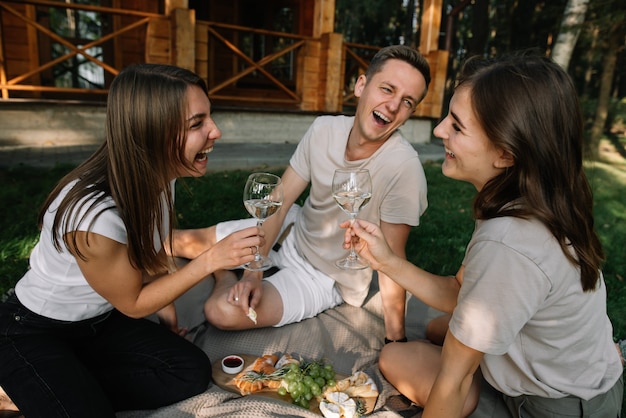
(232, 362)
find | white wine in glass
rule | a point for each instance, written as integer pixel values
(262, 197)
(352, 190)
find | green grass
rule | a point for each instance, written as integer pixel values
(438, 244)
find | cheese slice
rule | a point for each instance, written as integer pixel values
(252, 314)
(359, 385)
(338, 405)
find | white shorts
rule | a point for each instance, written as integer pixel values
(304, 290)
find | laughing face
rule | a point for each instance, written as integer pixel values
(470, 155)
(386, 101)
(202, 132)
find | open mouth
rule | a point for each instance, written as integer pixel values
(380, 118)
(450, 154)
(203, 155)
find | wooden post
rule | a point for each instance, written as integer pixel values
(432, 105)
(171, 5)
(323, 17)
(431, 23)
(184, 35)
(331, 71)
(3, 73)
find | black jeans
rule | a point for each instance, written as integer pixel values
(94, 367)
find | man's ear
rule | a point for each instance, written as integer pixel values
(505, 160)
(359, 85)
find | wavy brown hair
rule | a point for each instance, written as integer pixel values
(528, 106)
(144, 147)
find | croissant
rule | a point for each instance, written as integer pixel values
(253, 378)
(247, 387)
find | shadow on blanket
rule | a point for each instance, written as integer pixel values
(349, 337)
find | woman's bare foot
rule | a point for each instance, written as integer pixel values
(6, 404)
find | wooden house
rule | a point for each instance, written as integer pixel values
(280, 55)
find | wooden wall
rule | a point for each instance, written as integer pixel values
(183, 38)
(20, 46)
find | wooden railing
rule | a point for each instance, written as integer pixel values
(356, 59)
(265, 84)
(12, 81)
(243, 66)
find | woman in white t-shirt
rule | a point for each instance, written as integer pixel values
(73, 338)
(528, 304)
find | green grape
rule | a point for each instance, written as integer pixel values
(306, 381)
(292, 386)
(301, 387)
(314, 371)
(316, 390)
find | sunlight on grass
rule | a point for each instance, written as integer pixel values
(437, 244)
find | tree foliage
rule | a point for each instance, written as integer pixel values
(374, 22)
(496, 27)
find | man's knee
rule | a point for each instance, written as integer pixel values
(214, 313)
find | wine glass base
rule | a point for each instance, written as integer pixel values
(264, 263)
(349, 263)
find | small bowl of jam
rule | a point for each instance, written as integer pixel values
(232, 364)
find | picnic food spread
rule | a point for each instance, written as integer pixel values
(311, 384)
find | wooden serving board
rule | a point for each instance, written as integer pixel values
(225, 381)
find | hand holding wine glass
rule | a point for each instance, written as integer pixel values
(262, 197)
(352, 190)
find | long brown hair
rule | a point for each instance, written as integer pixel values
(528, 106)
(143, 149)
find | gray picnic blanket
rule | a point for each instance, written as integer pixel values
(347, 336)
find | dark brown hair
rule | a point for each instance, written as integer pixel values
(143, 149)
(528, 106)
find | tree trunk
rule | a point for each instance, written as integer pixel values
(573, 17)
(616, 39)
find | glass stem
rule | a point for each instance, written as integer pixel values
(353, 255)
(257, 255)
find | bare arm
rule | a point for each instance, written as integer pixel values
(190, 243)
(454, 381)
(393, 295)
(440, 292)
(249, 289)
(109, 272)
(293, 186)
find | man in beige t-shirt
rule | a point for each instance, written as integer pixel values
(308, 281)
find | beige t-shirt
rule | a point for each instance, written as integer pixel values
(522, 304)
(398, 196)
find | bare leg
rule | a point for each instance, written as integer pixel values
(223, 314)
(621, 348)
(412, 368)
(6, 404)
(437, 328)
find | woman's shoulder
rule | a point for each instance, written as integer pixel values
(512, 230)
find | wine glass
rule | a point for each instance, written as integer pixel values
(352, 190)
(262, 197)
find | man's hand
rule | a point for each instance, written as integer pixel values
(247, 292)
